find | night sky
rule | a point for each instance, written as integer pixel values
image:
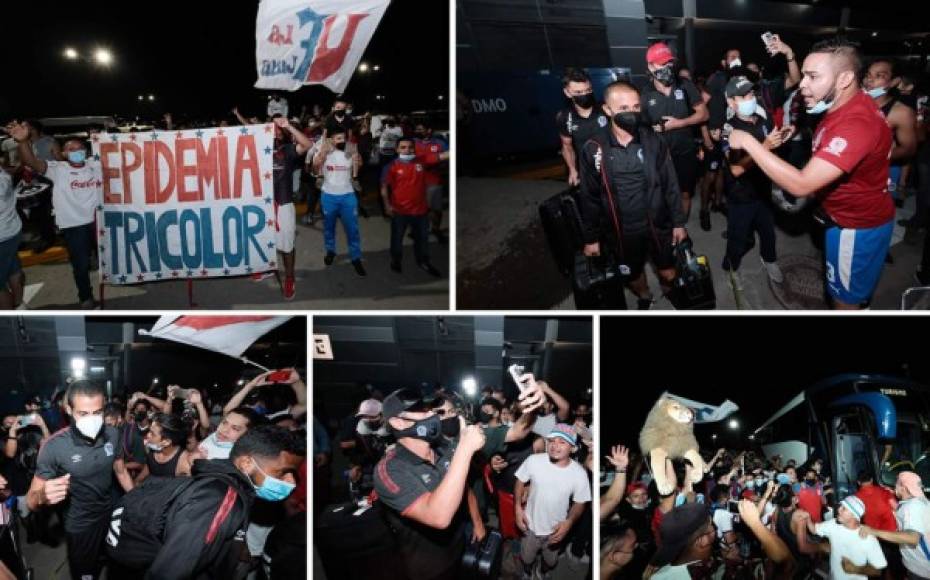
(197, 57)
(749, 360)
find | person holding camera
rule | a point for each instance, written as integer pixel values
(422, 484)
(630, 200)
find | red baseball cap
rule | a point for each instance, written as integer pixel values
(659, 54)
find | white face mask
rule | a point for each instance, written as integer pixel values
(90, 426)
(735, 63)
(154, 447)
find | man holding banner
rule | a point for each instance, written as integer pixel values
(75, 195)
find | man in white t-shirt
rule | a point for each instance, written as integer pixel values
(852, 557)
(76, 193)
(339, 167)
(559, 490)
(913, 517)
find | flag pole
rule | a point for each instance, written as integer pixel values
(255, 364)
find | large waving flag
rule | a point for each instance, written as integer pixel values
(229, 335)
(313, 42)
(706, 413)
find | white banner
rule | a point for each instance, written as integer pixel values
(313, 42)
(181, 205)
(229, 335)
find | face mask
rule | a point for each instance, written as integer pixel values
(373, 425)
(141, 416)
(77, 157)
(154, 447)
(628, 121)
(349, 112)
(260, 409)
(339, 114)
(273, 489)
(746, 108)
(341, 146)
(407, 157)
(796, 487)
(760, 482)
(823, 104)
(877, 92)
(810, 482)
(484, 417)
(89, 426)
(429, 430)
(750, 484)
(664, 75)
(585, 101)
(223, 444)
(451, 427)
(639, 507)
(735, 63)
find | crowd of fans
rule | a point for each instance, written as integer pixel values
(172, 481)
(753, 516)
(448, 471)
(333, 160)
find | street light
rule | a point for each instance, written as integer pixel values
(376, 68)
(733, 424)
(141, 98)
(151, 97)
(71, 54)
(363, 68)
(470, 386)
(440, 97)
(714, 437)
(103, 57)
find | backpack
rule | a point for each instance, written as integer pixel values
(137, 525)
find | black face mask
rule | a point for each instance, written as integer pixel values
(451, 427)
(429, 430)
(585, 101)
(810, 482)
(140, 416)
(665, 75)
(484, 417)
(341, 146)
(339, 114)
(373, 425)
(629, 121)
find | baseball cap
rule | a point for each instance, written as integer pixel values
(676, 530)
(738, 86)
(912, 483)
(659, 54)
(369, 407)
(563, 431)
(401, 400)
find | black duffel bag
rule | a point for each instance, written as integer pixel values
(693, 286)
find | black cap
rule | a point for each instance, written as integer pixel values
(676, 530)
(738, 87)
(403, 400)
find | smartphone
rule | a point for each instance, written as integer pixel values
(182, 394)
(516, 371)
(768, 38)
(733, 506)
(278, 376)
(26, 420)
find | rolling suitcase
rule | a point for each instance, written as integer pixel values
(357, 546)
(483, 559)
(561, 223)
(597, 284)
(693, 286)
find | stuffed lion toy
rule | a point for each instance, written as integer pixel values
(669, 434)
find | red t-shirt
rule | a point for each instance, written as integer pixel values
(809, 500)
(427, 147)
(878, 511)
(408, 181)
(856, 138)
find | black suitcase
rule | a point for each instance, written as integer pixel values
(597, 284)
(357, 547)
(561, 223)
(693, 286)
(483, 559)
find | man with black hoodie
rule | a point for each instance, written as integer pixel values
(205, 524)
(630, 199)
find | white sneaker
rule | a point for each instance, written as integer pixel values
(734, 280)
(774, 272)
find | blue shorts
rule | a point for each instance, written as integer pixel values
(854, 261)
(9, 259)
